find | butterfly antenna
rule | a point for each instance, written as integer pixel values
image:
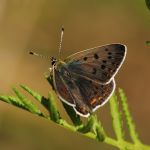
(39, 55)
(61, 38)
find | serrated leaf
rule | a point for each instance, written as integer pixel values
(31, 92)
(89, 126)
(100, 133)
(98, 129)
(44, 101)
(130, 124)
(13, 100)
(54, 113)
(116, 117)
(5, 98)
(28, 104)
(94, 126)
(16, 101)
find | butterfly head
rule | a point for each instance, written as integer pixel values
(53, 61)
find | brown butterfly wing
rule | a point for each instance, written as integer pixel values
(94, 94)
(67, 89)
(61, 88)
(99, 64)
(83, 94)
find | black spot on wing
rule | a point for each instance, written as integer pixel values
(102, 86)
(98, 64)
(96, 56)
(93, 94)
(109, 57)
(103, 67)
(104, 61)
(96, 87)
(85, 58)
(106, 49)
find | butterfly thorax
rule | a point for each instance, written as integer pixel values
(60, 64)
(62, 68)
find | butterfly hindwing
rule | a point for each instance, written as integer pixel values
(94, 94)
(99, 64)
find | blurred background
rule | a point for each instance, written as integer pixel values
(35, 25)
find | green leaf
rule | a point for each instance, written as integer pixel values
(37, 96)
(131, 126)
(13, 100)
(54, 113)
(101, 135)
(28, 104)
(89, 126)
(116, 117)
(5, 99)
(147, 4)
(44, 101)
(94, 126)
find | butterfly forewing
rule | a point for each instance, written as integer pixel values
(99, 64)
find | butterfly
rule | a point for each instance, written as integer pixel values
(85, 80)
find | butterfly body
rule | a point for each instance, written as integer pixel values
(85, 80)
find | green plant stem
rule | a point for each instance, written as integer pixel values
(107, 140)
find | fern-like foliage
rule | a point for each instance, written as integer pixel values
(93, 127)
